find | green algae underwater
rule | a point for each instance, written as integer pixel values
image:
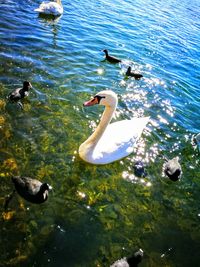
(95, 214)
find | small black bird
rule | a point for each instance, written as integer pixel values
(19, 93)
(137, 76)
(172, 169)
(31, 189)
(111, 59)
(132, 261)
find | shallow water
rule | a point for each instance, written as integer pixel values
(97, 214)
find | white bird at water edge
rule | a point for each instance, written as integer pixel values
(110, 142)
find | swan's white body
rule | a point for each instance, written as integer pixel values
(111, 142)
(50, 8)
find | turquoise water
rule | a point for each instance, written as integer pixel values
(97, 214)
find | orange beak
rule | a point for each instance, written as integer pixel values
(92, 102)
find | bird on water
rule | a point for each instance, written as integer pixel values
(172, 169)
(50, 8)
(111, 59)
(30, 189)
(111, 141)
(131, 261)
(137, 76)
(19, 93)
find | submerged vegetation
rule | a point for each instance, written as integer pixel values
(105, 210)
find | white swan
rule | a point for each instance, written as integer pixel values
(50, 8)
(110, 142)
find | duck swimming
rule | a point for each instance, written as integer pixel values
(172, 169)
(137, 76)
(111, 59)
(20, 93)
(50, 8)
(110, 142)
(31, 190)
(132, 261)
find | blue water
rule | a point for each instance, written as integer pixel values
(97, 214)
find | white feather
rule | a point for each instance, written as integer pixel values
(111, 142)
(50, 8)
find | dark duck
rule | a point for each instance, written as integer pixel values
(30, 189)
(132, 261)
(111, 59)
(172, 169)
(137, 76)
(19, 93)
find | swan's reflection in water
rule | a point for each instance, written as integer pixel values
(52, 22)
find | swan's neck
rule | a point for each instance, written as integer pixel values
(105, 120)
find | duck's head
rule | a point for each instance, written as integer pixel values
(44, 189)
(105, 98)
(105, 51)
(27, 85)
(129, 69)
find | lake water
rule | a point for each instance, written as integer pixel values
(98, 214)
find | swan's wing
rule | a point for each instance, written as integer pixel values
(118, 140)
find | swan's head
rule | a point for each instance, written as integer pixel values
(105, 98)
